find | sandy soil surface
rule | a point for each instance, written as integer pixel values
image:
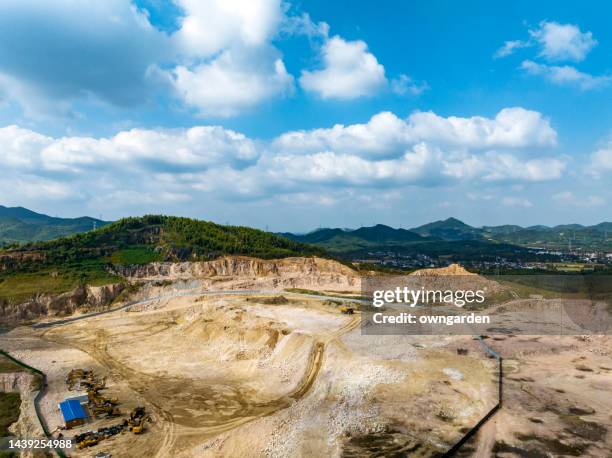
(246, 376)
(557, 398)
(288, 376)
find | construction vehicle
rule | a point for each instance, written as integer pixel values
(105, 409)
(91, 438)
(137, 419)
(77, 378)
(111, 430)
(93, 394)
(93, 384)
(139, 427)
(347, 310)
(87, 439)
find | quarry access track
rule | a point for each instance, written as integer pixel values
(236, 292)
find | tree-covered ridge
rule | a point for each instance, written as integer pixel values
(61, 265)
(167, 238)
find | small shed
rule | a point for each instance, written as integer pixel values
(73, 413)
(82, 399)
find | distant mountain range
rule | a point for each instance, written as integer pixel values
(18, 225)
(451, 231)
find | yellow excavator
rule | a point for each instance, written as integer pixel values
(347, 310)
(137, 420)
(88, 439)
(105, 409)
(94, 397)
(139, 427)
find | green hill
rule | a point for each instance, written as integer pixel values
(450, 229)
(59, 265)
(342, 240)
(19, 225)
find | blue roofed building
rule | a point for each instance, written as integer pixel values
(73, 413)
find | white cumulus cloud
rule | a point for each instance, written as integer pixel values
(133, 167)
(209, 26)
(232, 82)
(229, 64)
(561, 42)
(387, 135)
(566, 75)
(558, 43)
(349, 71)
(165, 149)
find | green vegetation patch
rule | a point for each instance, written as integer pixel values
(6, 365)
(10, 404)
(16, 287)
(138, 255)
(8, 454)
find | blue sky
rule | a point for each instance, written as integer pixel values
(294, 115)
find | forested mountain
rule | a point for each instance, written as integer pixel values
(449, 229)
(18, 225)
(364, 237)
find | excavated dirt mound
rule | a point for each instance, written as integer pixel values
(453, 269)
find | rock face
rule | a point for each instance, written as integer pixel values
(13, 260)
(80, 299)
(289, 272)
(230, 272)
(16, 382)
